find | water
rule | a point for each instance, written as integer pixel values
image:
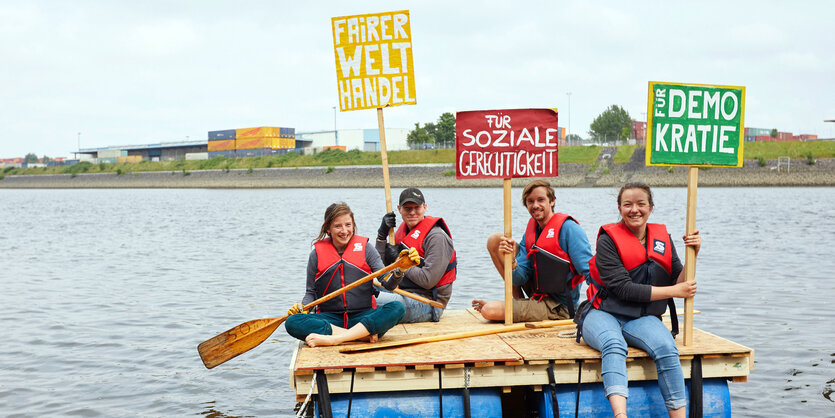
(105, 294)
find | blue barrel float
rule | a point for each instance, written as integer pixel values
(484, 402)
(644, 401)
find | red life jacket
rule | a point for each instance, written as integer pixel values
(551, 264)
(651, 265)
(415, 239)
(334, 272)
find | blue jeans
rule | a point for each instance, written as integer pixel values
(415, 311)
(609, 334)
(376, 321)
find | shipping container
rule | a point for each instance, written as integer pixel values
(222, 135)
(263, 131)
(288, 132)
(225, 154)
(785, 136)
(222, 145)
(261, 152)
(255, 143)
(197, 156)
(107, 160)
(130, 159)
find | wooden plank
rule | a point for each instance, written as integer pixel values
(501, 360)
(453, 320)
(293, 364)
(399, 329)
(380, 380)
(545, 344)
(488, 348)
(739, 379)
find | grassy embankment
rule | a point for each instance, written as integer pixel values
(806, 151)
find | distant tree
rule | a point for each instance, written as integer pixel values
(417, 137)
(431, 130)
(774, 133)
(45, 159)
(445, 133)
(30, 158)
(613, 123)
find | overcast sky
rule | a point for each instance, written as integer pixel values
(157, 71)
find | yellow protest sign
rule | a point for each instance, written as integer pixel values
(374, 66)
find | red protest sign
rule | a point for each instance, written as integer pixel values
(508, 143)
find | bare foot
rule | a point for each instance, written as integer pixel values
(369, 338)
(478, 304)
(315, 340)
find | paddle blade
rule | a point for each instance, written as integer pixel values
(236, 341)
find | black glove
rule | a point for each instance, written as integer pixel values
(389, 221)
(390, 254)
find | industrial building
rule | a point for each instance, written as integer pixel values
(351, 139)
(161, 151)
(286, 140)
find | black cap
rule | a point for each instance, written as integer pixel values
(412, 194)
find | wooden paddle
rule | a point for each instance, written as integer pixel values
(244, 337)
(410, 295)
(459, 335)
(455, 336)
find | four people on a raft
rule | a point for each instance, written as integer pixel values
(631, 279)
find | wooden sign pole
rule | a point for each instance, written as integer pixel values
(384, 157)
(508, 259)
(690, 252)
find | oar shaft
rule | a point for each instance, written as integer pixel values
(454, 336)
(359, 282)
(410, 295)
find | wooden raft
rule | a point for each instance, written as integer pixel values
(499, 360)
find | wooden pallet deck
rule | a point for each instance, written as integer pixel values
(499, 360)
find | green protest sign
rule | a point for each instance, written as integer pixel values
(695, 124)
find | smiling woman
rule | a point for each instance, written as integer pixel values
(340, 258)
(635, 274)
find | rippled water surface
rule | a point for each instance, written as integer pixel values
(105, 294)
